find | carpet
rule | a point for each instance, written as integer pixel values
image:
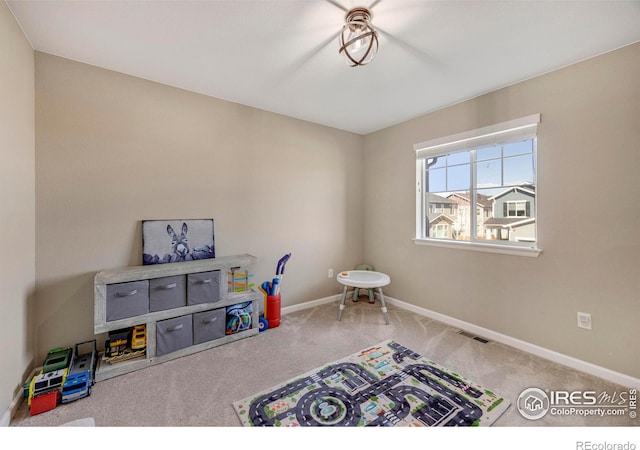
(384, 385)
(86, 422)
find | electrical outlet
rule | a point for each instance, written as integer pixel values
(584, 320)
(330, 275)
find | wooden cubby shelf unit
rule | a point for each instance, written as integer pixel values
(140, 273)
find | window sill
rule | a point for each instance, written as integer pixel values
(481, 247)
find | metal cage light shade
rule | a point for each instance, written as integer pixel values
(358, 39)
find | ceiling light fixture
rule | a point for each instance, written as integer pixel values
(358, 40)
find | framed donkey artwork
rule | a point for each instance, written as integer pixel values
(169, 241)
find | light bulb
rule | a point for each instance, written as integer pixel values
(358, 40)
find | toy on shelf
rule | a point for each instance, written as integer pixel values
(239, 280)
(125, 344)
(239, 317)
(138, 337)
(116, 343)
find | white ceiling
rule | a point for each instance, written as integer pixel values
(282, 55)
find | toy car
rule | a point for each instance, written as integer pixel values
(46, 382)
(139, 337)
(81, 376)
(44, 402)
(57, 358)
(117, 342)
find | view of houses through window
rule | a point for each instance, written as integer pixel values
(481, 194)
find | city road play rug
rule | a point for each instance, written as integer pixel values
(384, 385)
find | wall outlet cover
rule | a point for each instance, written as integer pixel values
(584, 320)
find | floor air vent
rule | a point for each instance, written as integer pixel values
(475, 338)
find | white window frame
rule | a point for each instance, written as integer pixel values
(521, 128)
(517, 204)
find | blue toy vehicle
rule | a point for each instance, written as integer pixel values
(81, 376)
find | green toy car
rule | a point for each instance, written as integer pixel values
(57, 358)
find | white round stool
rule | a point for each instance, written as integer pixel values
(366, 279)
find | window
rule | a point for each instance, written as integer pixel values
(477, 189)
(516, 209)
(441, 230)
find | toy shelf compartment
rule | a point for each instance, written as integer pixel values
(221, 265)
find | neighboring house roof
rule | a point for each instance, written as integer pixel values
(526, 188)
(508, 222)
(440, 218)
(460, 196)
(435, 198)
(484, 200)
(481, 200)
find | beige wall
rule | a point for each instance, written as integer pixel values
(588, 216)
(114, 150)
(17, 206)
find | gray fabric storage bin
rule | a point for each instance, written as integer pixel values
(167, 293)
(208, 325)
(173, 334)
(203, 287)
(127, 299)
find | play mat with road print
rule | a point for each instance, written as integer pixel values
(384, 385)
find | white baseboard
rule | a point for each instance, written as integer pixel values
(310, 304)
(5, 421)
(568, 361)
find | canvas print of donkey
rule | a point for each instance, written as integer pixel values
(169, 241)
